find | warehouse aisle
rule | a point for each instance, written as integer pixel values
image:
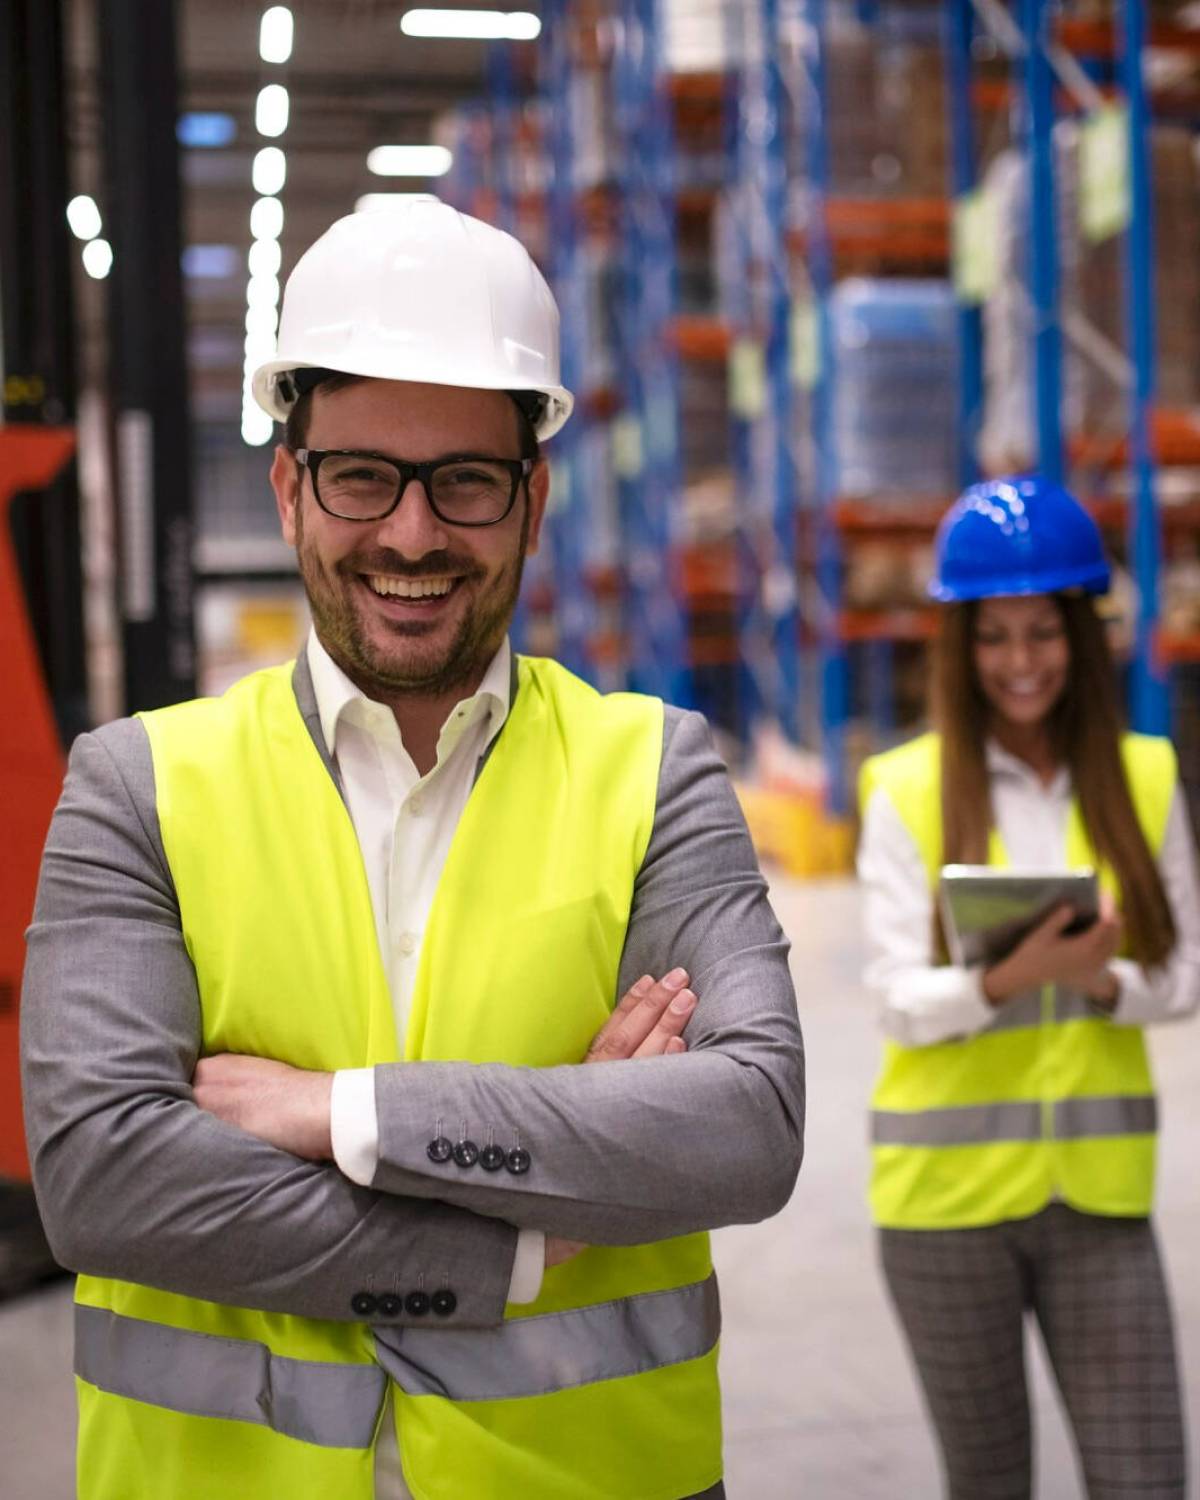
(819, 1401)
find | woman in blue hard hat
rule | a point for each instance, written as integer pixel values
(1013, 1121)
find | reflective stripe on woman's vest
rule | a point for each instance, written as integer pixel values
(1052, 1099)
(603, 1389)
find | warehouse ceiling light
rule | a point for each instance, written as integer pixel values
(97, 259)
(485, 25)
(84, 217)
(264, 258)
(262, 291)
(269, 172)
(257, 427)
(266, 219)
(275, 34)
(271, 110)
(409, 161)
(262, 320)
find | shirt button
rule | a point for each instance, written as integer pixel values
(407, 943)
(415, 806)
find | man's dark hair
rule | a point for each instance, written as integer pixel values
(295, 430)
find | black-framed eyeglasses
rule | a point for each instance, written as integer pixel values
(464, 490)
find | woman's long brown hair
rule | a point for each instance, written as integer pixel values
(1086, 724)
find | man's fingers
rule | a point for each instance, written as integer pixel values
(629, 1001)
(636, 1017)
(668, 1028)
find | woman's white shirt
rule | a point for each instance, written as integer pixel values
(923, 1002)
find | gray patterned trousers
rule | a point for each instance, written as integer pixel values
(1096, 1287)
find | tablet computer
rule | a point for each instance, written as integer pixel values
(987, 911)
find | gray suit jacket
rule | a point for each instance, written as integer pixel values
(136, 1182)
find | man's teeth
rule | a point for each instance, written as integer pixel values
(410, 588)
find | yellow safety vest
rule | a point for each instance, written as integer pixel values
(605, 1388)
(1051, 1099)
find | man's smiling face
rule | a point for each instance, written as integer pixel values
(410, 604)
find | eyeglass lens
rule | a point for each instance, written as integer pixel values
(358, 488)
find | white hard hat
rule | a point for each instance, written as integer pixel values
(420, 292)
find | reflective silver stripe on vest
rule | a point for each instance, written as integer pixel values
(552, 1351)
(1026, 1011)
(988, 1124)
(1117, 1114)
(968, 1125)
(201, 1375)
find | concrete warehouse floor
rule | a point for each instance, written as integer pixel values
(819, 1400)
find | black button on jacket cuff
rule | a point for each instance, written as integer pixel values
(362, 1304)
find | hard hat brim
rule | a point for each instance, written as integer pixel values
(265, 389)
(1088, 580)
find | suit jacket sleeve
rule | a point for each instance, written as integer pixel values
(133, 1180)
(627, 1152)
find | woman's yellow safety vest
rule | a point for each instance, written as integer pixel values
(605, 1388)
(1052, 1099)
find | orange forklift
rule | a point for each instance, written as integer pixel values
(43, 681)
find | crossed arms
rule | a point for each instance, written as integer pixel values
(137, 1182)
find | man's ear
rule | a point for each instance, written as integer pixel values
(539, 493)
(286, 478)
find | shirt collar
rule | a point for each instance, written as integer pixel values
(1002, 762)
(334, 693)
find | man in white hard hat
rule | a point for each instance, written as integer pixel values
(321, 972)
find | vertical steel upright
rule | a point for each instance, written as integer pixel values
(37, 340)
(769, 616)
(834, 672)
(783, 598)
(958, 24)
(148, 372)
(503, 117)
(737, 109)
(1036, 17)
(1149, 702)
(567, 522)
(650, 486)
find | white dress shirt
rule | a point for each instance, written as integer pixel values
(405, 823)
(923, 1003)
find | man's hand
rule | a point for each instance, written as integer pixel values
(647, 1022)
(287, 1107)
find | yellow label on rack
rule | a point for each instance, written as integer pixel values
(976, 245)
(805, 343)
(627, 449)
(1105, 199)
(747, 379)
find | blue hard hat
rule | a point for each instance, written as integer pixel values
(1021, 535)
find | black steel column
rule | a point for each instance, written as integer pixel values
(148, 371)
(37, 319)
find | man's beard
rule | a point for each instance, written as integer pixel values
(385, 674)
